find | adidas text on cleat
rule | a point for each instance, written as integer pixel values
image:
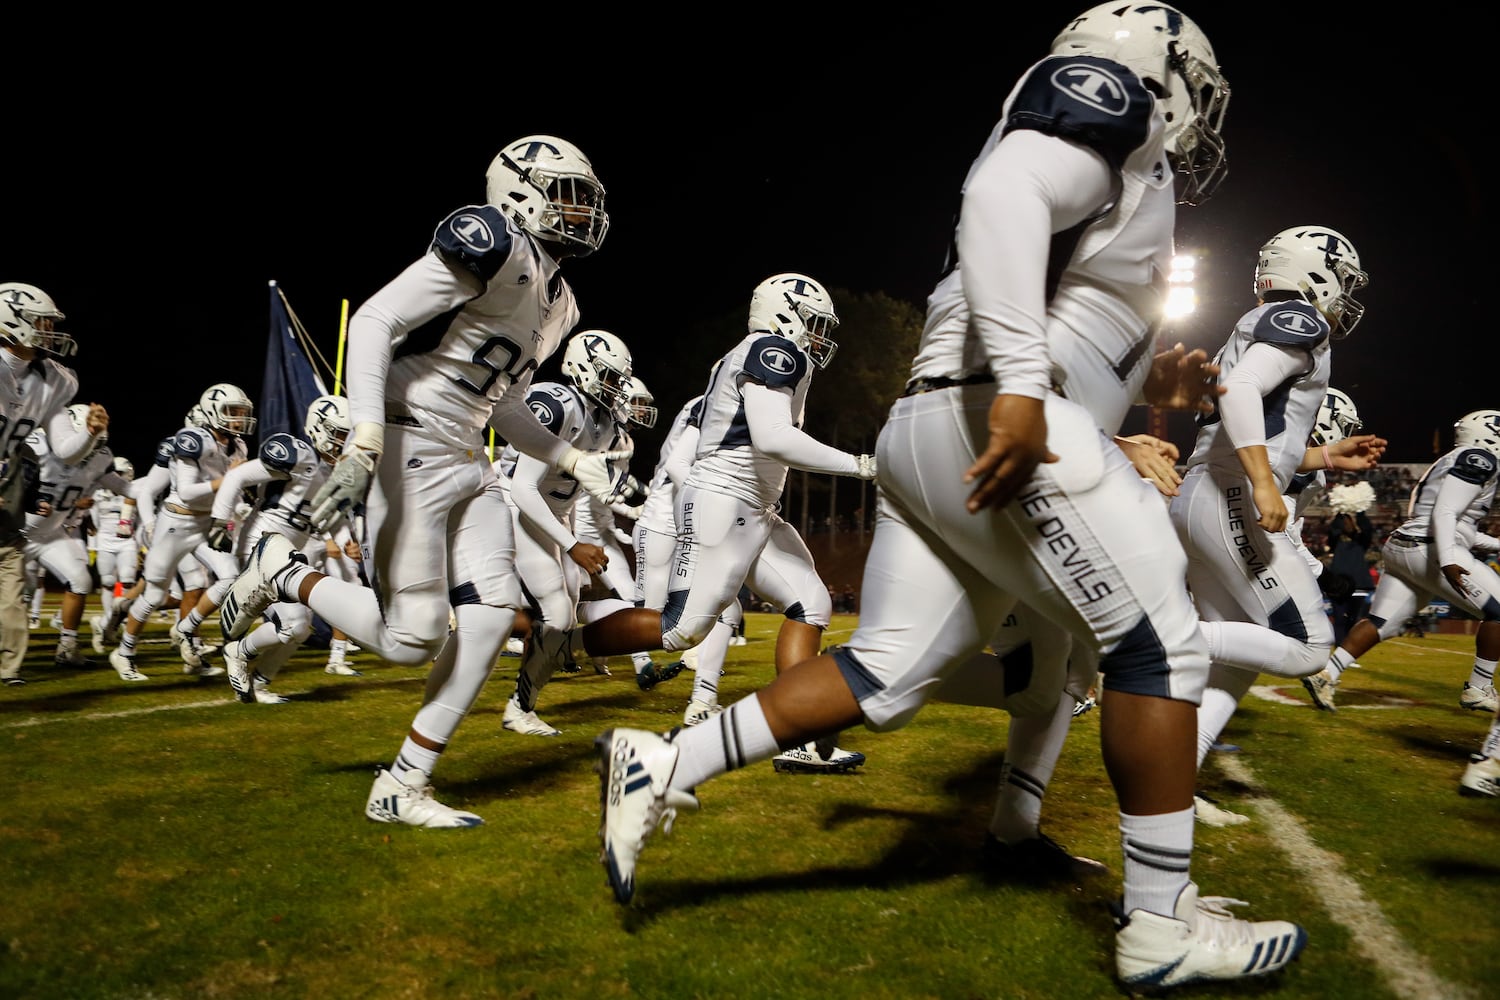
(1038, 860)
(1321, 686)
(635, 768)
(699, 712)
(411, 802)
(125, 667)
(1210, 813)
(1478, 698)
(820, 757)
(239, 673)
(526, 723)
(1200, 942)
(255, 589)
(1481, 777)
(651, 675)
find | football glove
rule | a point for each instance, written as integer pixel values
(866, 466)
(218, 536)
(346, 488)
(596, 473)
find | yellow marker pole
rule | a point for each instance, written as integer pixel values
(338, 369)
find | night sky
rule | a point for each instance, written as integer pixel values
(154, 188)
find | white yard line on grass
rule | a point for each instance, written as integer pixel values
(1404, 970)
(1428, 649)
(42, 720)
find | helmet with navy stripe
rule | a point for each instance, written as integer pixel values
(328, 425)
(548, 188)
(1337, 418)
(1319, 266)
(28, 318)
(795, 306)
(1479, 429)
(599, 364)
(227, 409)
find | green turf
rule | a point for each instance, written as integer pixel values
(162, 841)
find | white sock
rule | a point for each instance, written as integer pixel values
(1031, 754)
(1157, 851)
(1483, 674)
(1340, 661)
(736, 738)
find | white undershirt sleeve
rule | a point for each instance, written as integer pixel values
(1261, 369)
(772, 433)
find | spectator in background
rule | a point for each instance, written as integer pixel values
(1349, 538)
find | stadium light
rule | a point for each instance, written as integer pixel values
(1182, 298)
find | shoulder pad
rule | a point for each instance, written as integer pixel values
(279, 452)
(476, 239)
(548, 409)
(165, 449)
(1094, 102)
(775, 361)
(1474, 465)
(188, 444)
(1293, 324)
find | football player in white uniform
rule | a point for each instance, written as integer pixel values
(440, 353)
(117, 558)
(35, 390)
(201, 457)
(52, 538)
(1259, 601)
(553, 562)
(1432, 555)
(285, 475)
(730, 531)
(999, 482)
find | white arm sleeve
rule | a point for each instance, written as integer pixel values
(67, 442)
(1262, 368)
(251, 473)
(769, 413)
(1454, 497)
(427, 288)
(680, 462)
(526, 494)
(1030, 186)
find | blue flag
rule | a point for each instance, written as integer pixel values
(291, 383)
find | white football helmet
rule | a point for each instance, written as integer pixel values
(1320, 266)
(639, 404)
(124, 467)
(79, 414)
(599, 364)
(328, 425)
(195, 417)
(28, 316)
(1480, 429)
(796, 307)
(1337, 418)
(226, 408)
(548, 187)
(1175, 61)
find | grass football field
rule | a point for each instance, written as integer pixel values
(162, 841)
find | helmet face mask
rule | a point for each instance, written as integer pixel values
(327, 426)
(1174, 60)
(227, 409)
(1320, 267)
(796, 307)
(599, 364)
(1337, 418)
(548, 188)
(29, 317)
(639, 404)
(1479, 429)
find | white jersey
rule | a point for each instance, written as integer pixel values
(197, 460)
(285, 476)
(461, 333)
(105, 515)
(728, 461)
(1080, 317)
(1299, 339)
(582, 422)
(32, 396)
(658, 513)
(62, 485)
(1450, 500)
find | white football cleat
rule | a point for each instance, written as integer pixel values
(699, 712)
(96, 634)
(518, 720)
(1478, 698)
(255, 589)
(125, 666)
(1201, 942)
(634, 768)
(70, 657)
(239, 672)
(1481, 777)
(1210, 813)
(342, 670)
(811, 759)
(1322, 687)
(411, 802)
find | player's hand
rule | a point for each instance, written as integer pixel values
(1357, 452)
(97, 421)
(591, 557)
(1154, 459)
(219, 538)
(347, 486)
(866, 467)
(1455, 575)
(1017, 445)
(1183, 380)
(1270, 506)
(596, 472)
